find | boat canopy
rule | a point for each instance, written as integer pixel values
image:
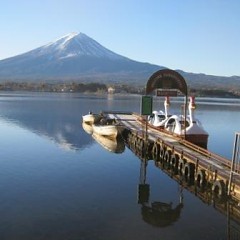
(166, 79)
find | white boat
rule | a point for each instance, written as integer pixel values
(106, 130)
(91, 118)
(191, 129)
(87, 128)
(107, 127)
(159, 118)
(115, 145)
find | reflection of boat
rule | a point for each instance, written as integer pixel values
(115, 145)
(192, 129)
(91, 118)
(87, 128)
(159, 118)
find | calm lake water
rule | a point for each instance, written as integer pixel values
(57, 182)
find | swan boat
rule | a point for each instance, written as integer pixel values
(190, 128)
(159, 118)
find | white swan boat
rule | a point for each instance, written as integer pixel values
(191, 129)
(159, 118)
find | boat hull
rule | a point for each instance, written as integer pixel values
(106, 130)
(200, 140)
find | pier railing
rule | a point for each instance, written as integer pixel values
(235, 170)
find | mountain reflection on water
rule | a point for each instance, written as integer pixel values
(56, 118)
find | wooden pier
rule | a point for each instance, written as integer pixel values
(212, 178)
(186, 161)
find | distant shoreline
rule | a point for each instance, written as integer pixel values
(103, 89)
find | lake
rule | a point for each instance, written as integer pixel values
(57, 182)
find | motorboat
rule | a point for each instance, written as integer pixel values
(115, 145)
(107, 127)
(105, 130)
(190, 128)
(91, 118)
(159, 118)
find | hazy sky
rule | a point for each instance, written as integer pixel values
(200, 36)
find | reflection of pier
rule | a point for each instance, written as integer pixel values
(156, 213)
(162, 214)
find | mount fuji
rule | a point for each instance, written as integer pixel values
(77, 57)
(74, 57)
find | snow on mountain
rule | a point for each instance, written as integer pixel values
(75, 56)
(79, 57)
(74, 45)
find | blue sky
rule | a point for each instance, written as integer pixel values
(200, 36)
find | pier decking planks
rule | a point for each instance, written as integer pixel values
(210, 161)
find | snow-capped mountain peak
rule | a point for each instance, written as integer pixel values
(77, 44)
(63, 40)
(73, 56)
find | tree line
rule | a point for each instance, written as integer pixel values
(102, 88)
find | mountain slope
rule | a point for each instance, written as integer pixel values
(74, 55)
(80, 58)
